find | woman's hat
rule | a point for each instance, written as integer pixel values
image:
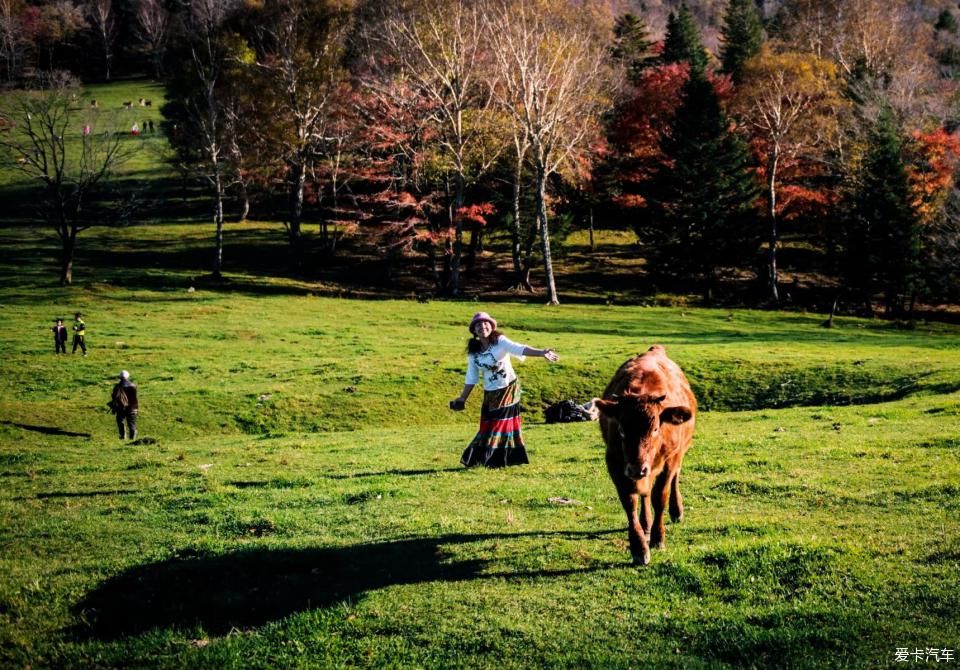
(481, 316)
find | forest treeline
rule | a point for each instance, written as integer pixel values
(718, 131)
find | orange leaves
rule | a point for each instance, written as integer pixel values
(934, 157)
(476, 213)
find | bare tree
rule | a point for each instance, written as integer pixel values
(153, 24)
(103, 21)
(72, 155)
(439, 50)
(554, 80)
(197, 106)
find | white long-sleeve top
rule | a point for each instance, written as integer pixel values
(494, 364)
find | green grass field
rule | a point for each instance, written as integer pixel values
(295, 499)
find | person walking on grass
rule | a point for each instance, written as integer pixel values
(59, 337)
(499, 441)
(79, 333)
(123, 403)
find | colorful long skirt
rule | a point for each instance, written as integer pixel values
(499, 441)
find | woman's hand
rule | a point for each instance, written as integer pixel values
(457, 404)
(551, 355)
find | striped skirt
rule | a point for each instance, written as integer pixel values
(499, 441)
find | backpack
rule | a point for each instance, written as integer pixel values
(566, 411)
(120, 401)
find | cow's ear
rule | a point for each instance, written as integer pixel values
(676, 415)
(609, 408)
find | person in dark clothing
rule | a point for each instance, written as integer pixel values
(60, 337)
(79, 333)
(123, 403)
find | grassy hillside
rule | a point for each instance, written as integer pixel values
(296, 500)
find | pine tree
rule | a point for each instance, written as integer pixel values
(883, 233)
(742, 36)
(632, 46)
(682, 43)
(703, 198)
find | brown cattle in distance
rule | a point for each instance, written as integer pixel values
(647, 416)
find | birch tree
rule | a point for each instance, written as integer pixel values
(788, 101)
(196, 107)
(103, 22)
(553, 82)
(153, 26)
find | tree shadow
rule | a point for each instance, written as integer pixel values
(251, 587)
(47, 430)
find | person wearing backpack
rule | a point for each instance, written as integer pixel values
(123, 403)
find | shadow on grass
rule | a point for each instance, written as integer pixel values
(249, 588)
(400, 473)
(83, 494)
(47, 430)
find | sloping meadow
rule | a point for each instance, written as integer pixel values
(295, 498)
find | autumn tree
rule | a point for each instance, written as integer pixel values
(553, 80)
(298, 71)
(741, 35)
(438, 51)
(788, 101)
(71, 154)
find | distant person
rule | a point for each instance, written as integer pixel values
(499, 441)
(59, 337)
(79, 334)
(123, 403)
(151, 125)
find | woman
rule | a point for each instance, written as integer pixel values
(499, 441)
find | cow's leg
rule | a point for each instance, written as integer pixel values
(676, 500)
(630, 499)
(645, 516)
(659, 497)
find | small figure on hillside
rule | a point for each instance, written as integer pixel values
(150, 122)
(134, 129)
(59, 337)
(79, 334)
(499, 441)
(123, 403)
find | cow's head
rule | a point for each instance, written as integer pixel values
(638, 418)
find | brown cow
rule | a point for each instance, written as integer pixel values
(647, 416)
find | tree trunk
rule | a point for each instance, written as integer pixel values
(772, 211)
(299, 179)
(66, 260)
(457, 220)
(545, 236)
(515, 246)
(218, 221)
(593, 247)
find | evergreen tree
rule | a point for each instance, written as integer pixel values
(947, 22)
(682, 43)
(632, 46)
(883, 233)
(742, 36)
(702, 200)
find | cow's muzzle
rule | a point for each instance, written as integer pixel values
(635, 473)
